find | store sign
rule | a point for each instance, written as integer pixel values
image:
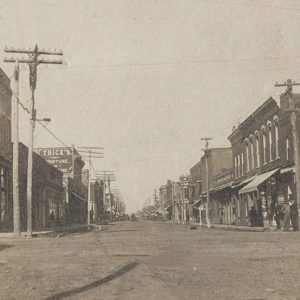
(61, 158)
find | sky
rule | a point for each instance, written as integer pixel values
(147, 79)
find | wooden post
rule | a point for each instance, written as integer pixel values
(15, 139)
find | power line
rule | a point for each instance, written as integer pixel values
(296, 8)
(178, 62)
(55, 136)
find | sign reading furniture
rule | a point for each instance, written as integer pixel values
(60, 157)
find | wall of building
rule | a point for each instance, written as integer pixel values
(6, 212)
(48, 207)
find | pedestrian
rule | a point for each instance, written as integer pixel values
(252, 216)
(52, 216)
(294, 214)
(277, 216)
(187, 217)
(285, 209)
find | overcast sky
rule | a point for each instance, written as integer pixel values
(147, 79)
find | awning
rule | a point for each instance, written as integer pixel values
(252, 186)
(286, 170)
(79, 197)
(245, 181)
(221, 187)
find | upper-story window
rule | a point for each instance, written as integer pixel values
(242, 163)
(252, 154)
(276, 141)
(247, 158)
(257, 152)
(270, 144)
(235, 167)
(238, 164)
(264, 148)
(287, 149)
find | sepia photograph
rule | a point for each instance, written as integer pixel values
(150, 149)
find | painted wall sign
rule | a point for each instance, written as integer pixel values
(60, 157)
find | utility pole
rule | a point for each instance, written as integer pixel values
(289, 90)
(89, 153)
(15, 139)
(32, 61)
(206, 152)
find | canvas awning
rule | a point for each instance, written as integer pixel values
(221, 187)
(286, 170)
(247, 180)
(253, 185)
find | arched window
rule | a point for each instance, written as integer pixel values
(252, 155)
(257, 152)
(235, 167)
(242, 163)
(264, 149)
(270, 144)
(238, 165)
(248, 157)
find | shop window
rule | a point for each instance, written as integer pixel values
(52, 211)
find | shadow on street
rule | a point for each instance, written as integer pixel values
(110, 231)
(96, 283)
(2, 247)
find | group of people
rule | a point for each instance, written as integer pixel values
(286, 212)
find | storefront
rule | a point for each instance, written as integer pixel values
(5, 196)
(260, 196)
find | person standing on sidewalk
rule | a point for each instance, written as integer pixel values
(286, 216)
(294, 214)
(277, 216)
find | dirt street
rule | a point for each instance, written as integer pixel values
(152, 260)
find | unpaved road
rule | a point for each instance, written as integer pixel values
(152, 260)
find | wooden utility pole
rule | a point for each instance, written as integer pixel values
(32, 61)
(90, 152)
(289, 90)
(206, 152)
(15, 139)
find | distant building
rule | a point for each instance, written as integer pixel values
(219, 160)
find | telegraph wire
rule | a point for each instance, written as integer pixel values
(297, 8)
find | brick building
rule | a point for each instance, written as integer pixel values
(263, 160)
(219, 160)
(5, 153)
